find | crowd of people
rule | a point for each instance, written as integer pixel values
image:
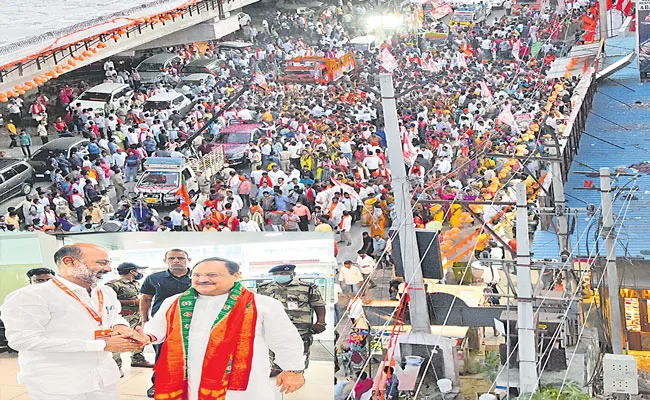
(321, 164)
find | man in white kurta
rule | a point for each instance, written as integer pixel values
(54, 333)
(273, 331)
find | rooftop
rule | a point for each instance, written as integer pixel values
(619, 124)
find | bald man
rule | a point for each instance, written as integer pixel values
(66, 329)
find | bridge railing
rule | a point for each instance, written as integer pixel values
(64, 51)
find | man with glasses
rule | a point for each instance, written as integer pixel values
(216, 337)
(161, 285)
(66, 329)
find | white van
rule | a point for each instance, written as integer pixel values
(105, 98)
(363, 43)
(169, 101)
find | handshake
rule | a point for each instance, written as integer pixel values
(124, 339)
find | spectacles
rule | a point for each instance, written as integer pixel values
(211, 275)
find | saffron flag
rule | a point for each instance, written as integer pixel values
(387, 60)
(506, 117)
(259, 79)
(485, 90)
(184, 198)
(516, 48)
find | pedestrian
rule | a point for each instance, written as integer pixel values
(25, 143)
(64, 345)
(350, 277)
(345, 228)
(367, 266)
(302, 302)
(304, 214)
(507, 5)
(41, 130)
(13, 134)
(159, 286)
(216, 326)
(127, 289)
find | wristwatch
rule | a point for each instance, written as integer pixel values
(301, 372)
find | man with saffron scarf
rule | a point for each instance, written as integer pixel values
(217, 337)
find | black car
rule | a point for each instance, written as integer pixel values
(204, 66)
(40, 158)
(16, 178)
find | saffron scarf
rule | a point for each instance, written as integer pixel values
(228, 356)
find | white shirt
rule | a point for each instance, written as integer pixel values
(250, 226)
(177, 217)
(366, 264)
(355, 308)
(54, 337)
(350, 276)
(372, 162)
(274, 331)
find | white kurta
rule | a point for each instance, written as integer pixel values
(54, 337)
(274, 331)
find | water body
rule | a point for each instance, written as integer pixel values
(22, 19)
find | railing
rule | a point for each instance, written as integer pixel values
(210, 164)
(71, 49)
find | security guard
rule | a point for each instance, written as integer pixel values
(128, 291)
(300, 300)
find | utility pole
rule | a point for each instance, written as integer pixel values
(559, 200)
(602, 19)
(525, 316)
(418, 309)
(615, 312)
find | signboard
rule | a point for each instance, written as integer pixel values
(643, 32)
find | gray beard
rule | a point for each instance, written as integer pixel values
(84, 274)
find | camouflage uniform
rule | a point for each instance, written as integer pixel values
(299, 299)
(128, 291)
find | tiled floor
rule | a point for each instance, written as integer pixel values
(319, 382)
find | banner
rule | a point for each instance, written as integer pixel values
(643, 31)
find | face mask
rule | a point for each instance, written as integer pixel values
(139, 276)
(282, 278)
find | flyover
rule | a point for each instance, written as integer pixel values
(28, 63)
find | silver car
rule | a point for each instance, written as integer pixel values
(16, 178)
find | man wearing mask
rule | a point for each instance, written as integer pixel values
(127, 289)
(301, 301)
(161, 285)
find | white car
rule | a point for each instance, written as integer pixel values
(298, 4)
(169, 101)
(243, 19)
(104, 97)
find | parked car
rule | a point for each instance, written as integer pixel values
(169, 101)
(16, 178)
(151, 68)
(233, 45)
(244, 19)
(295, 5)
(40, 158)
(189, 82)
(105, 97)
(205, 66)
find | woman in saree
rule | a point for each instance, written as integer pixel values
(377, 222)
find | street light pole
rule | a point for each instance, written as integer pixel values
(418, 310)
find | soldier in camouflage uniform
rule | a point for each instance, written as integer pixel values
(301, 300)
(128, 291)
